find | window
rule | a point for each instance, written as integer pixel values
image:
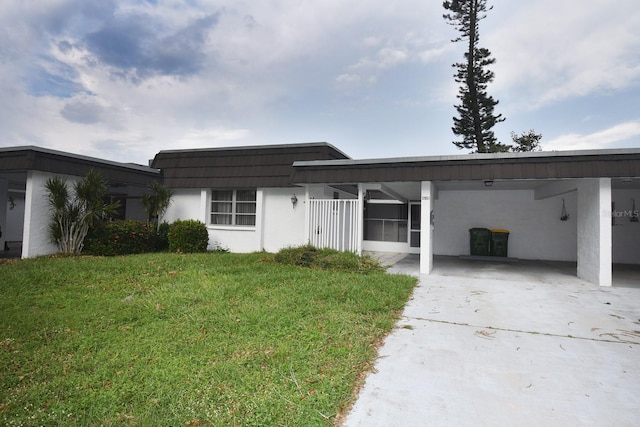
(385, 222)
(120, 212)
(233, 207)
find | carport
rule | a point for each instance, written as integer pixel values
(539, 271)
(558, 206)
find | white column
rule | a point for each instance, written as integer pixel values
(37, 216)
(307, 214)
(427, 193)
(594, 231)
(260, 214)
(204, 206)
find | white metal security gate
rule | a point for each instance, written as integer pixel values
(334, 224)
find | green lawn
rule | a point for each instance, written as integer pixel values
(187, 340)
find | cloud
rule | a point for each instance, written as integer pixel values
(134, 47)
(52, 78)
(125, 78)
(211, 137)
(385, 58)
(551, 51)
(82, 112)
(607, 138)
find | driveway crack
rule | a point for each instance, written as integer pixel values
(617, 339)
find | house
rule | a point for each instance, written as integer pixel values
(23, 174)
(243, 194)
(577, 206)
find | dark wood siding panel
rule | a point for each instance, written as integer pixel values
(110, 173)
(626, 168)
(540, 170)
(266, 166)
(46, 161)
(553, 167)
(511, 171)
(227, 171)
(15, 161)
(227, 159)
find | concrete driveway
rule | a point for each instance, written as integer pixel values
(508, 351)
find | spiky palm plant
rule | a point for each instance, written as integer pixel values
(73, 212)
(156, 202)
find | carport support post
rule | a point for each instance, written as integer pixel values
(594, 231)
(426, 230)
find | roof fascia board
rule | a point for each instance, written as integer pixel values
(31, 150)
(469, 157)
(256, 147)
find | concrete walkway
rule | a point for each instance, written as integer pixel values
(508, 351)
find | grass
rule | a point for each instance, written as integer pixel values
(187, 340)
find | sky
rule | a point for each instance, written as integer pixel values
(124, 79)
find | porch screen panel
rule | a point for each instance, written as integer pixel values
(332, 224)
(386, 222)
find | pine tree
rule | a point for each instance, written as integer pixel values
(476, 116)
(527, 141)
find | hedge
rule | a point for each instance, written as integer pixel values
(121, 238)
(188, 236)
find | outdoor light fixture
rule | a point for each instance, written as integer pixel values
(626, 181)
(294, 200)
(488, 183)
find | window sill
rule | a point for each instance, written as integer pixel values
(232, 227)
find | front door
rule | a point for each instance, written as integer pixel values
(414, 227)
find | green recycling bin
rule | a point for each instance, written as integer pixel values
(479, 239)
(499, 243)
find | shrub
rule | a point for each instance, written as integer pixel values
(303, 256)
(162, 240)
(75, 211)
(121, 238)
(188, 236)
(327, 259)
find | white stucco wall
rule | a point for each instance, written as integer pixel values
(626, 234)
(283, 224)
(185, 204)
(536, 231)
(37, 215)
(278, 224)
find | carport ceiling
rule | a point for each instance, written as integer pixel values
(522, 184)
(625, 183)
(411, 190)
(525, 184)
